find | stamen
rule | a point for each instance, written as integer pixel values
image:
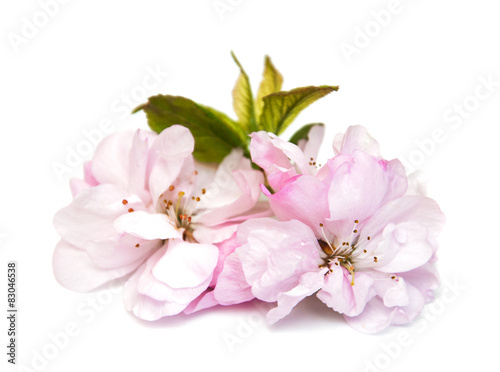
(351, 271)
(326, 239)
(326, 247)
(180, 194)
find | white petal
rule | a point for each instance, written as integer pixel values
(146, 225)
(308, 284)
(185, 264)
(74, 269)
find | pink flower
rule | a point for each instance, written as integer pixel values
(348, 232)
(146, 207)
(282, 160)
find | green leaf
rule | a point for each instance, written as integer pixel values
(302, 133)
(215, 134)
(243, 100)
(271, 82)
(281, 108)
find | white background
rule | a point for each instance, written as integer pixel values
(82, 62)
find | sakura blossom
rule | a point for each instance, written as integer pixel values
(348, 232)
(146, 208)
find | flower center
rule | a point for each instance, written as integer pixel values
(352, 252)
(342, 252)
(180, 210)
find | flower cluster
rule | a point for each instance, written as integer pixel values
(264, 220)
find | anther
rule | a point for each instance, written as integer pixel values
(137, 245)
(124, 201)
(171, 188)
(130, 210)
(325, 247)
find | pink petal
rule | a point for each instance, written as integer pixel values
(261, 209)
(76, 185)
(310, 147)
(269, 268)
(216, 234)
(406, 314)
(356, 138)
(138, 161)
(309, 283)
(74, 269)
(271, 159)
(120, 251)
(361, 184)
(234, 191)
(416, 222)
(394, 292)
(304, 199)
(186, 265)
(425, 279)
(92, 213)
(226, 248)
(204, 301)
(171, 162)
(146, 307)
(110, 163)
(232, 287)
(374, 318)
(149, 226)
(150, 286)
(88, 177)
(294, 153)
(341, 296)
